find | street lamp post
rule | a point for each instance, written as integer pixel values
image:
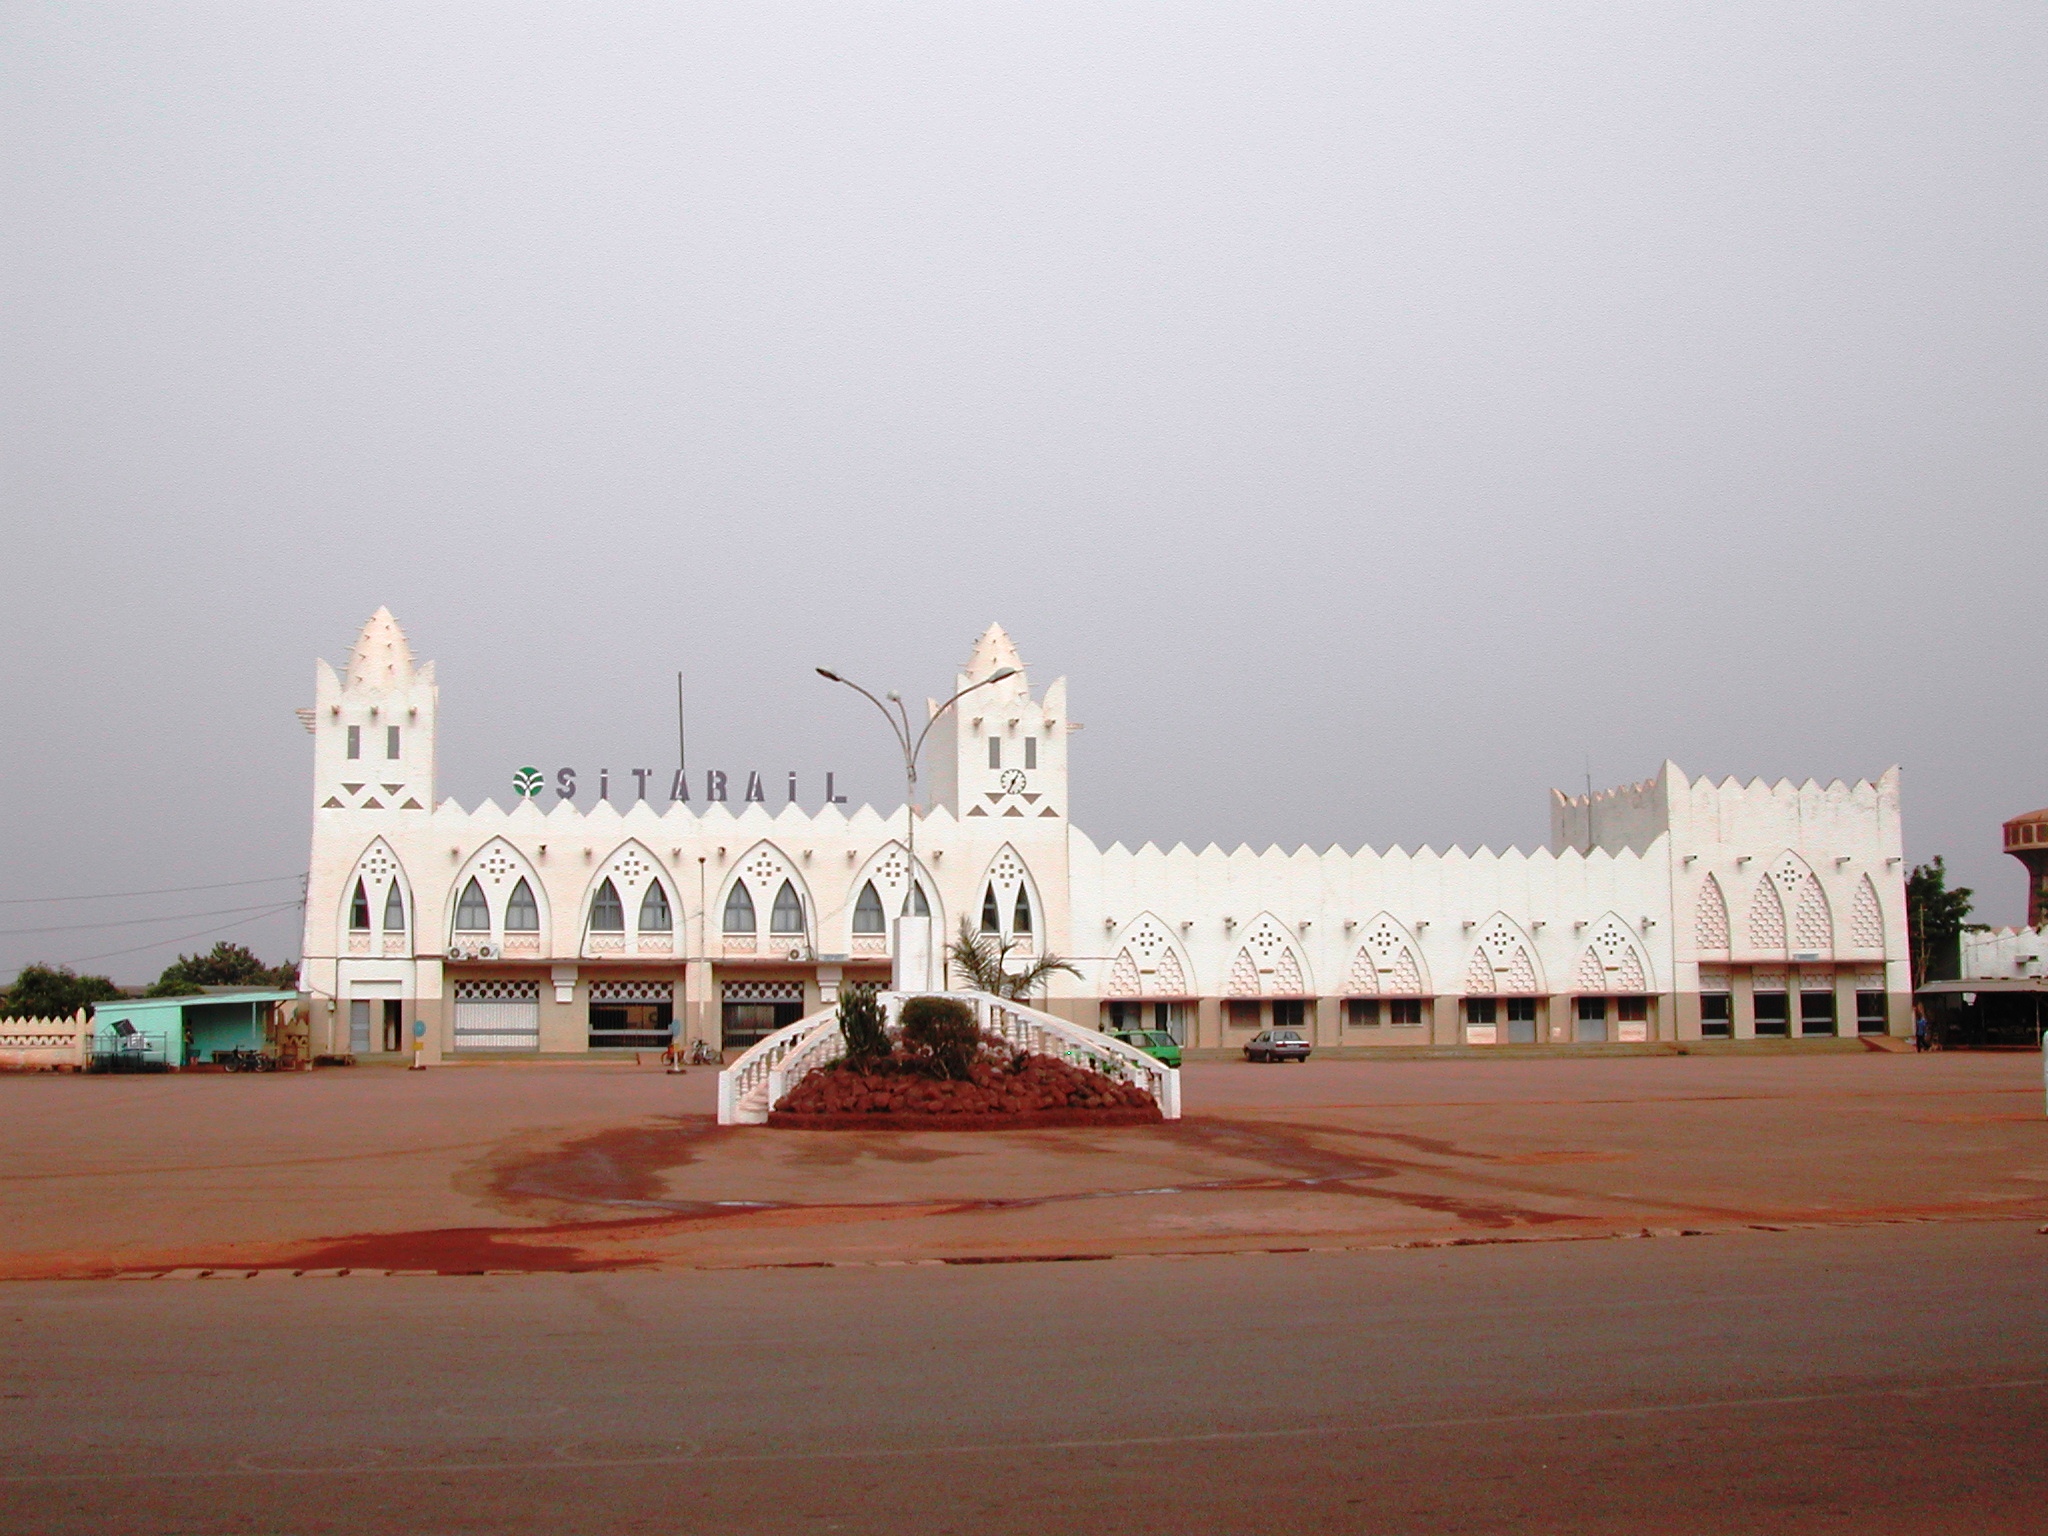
(912, 748)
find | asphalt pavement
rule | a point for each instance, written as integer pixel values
(1887, 1377)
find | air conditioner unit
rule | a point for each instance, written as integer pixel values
(487, 951)
(457, 952)
(796, 951)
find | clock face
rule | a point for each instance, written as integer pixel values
(1012, 781)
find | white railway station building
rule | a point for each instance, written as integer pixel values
(1667, 910)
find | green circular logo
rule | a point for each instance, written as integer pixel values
(526, 783)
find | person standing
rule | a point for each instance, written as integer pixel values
(1920, 1041)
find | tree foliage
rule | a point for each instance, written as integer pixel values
(1936, 919)
(982, 961)
(940, 1035)
(226, 965)
(53, 992)
(860, 1020)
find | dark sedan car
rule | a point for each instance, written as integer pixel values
(1277, 1045)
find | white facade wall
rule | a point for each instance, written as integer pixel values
(2004, 953)
(1612, 907)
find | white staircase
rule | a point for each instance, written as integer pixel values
(750, 1087)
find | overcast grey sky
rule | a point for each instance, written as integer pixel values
(1376, 411)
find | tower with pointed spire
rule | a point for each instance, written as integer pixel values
(1000, 753)
(373, 725)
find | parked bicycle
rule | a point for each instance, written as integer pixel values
(243, 1059)
(702, 1055)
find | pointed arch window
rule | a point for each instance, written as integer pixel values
(472, 912)
(991, 917)
(655, 916)
(919, 907)
(522, 912)
(359, 910)
(787, 915)
(739, 909)
(1020, 920)
(394, 910)
(607, 912)
(867, 912)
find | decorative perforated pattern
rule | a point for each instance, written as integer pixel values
(1123, 976)
(764, 991)
(1275, 966)
(1155, 963)
(1244, 975)
(631, 867)
(1479, 974)
(763, 867)
(1591, 975)
(378, 865)
(1710, 918)
(1504, 955)
(1287, 977)
(1363, 980)
(1866, 919)
(1813, 929)
(1172, 981)
(1385, 962)
(616, 991)
(497, 991)
(1612, 962)
(497, 865)
(1766, 918)
(1406, 978)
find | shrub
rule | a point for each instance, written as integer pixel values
(940, 1035)
(860, 1020)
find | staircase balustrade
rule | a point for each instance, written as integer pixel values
(756, 1082)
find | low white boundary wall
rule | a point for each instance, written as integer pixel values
(46, 1045)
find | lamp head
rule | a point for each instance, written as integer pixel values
(997, 677)
(830, 677)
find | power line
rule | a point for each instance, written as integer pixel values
(168, 890)
(204, 933)
(136, 922)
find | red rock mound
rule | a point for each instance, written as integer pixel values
(1035, 1091)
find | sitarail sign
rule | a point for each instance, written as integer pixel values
(529, 783)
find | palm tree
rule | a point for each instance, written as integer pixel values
(979, 959)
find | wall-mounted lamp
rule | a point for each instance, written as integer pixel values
(1536, 926)
(1350, 923)
(1690, 857)
(1421, 923)
(1229, 922)
(1109, 924)
(1742, 859)
(1841, 859)
(1469, 924)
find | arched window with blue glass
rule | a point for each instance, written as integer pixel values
(655, 915)
(472, 912)
(787, 915)
(522, 912)
(607, 912)
(739, 909)
(868, 916)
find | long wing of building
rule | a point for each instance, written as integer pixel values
(1667, 910)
